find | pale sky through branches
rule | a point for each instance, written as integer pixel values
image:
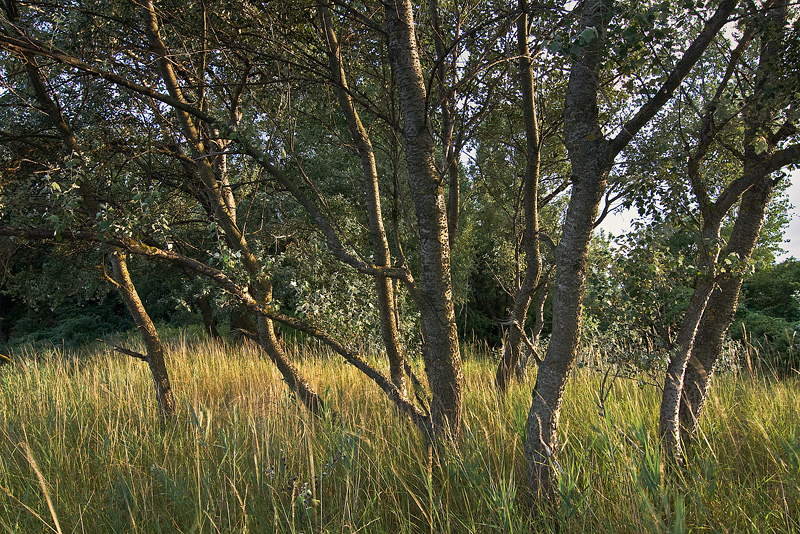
(619, 222)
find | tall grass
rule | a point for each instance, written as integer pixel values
(82, 450)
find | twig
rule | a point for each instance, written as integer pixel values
(127, 352)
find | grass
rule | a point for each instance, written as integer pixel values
(81, 450)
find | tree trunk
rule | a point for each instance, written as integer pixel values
(437, 312)
(207, 314)
(509, 363)
(669, 427)
(225, 211)
(721, 308)
(152, 343)
(591, 157)
(291, 375)
(450, 153)
(677, 422)
(380, 244)
(155, 352)
(591, 160)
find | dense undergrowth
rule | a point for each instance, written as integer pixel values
(82, 450)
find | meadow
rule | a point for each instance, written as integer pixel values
(82, 450)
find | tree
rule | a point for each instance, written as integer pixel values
(592, 157)
(91, 208)
(440, 336)
(760, 158)
(530, 201)
(206, 139)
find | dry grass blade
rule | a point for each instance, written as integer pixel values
(42, 484)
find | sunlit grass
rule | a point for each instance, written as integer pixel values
(243, 456)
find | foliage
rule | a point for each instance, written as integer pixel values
(769, 314)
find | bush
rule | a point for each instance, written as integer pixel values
(774, 337)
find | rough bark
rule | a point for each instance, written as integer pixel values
(591, 160)
(155, 350)
(380, 244)
(722, 305)
(721, 308)
(669, 428)
(510, 360)
(437, 312)
(591, 157)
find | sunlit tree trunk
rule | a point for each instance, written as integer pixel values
(669, 428)
(380, 244)
(749, 220)
(690, 369)
(155, 350)
(224, 208)
(591, 160)
(437, 312)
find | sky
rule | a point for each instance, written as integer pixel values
(793, 232)
(619, 222)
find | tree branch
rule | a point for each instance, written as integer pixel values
(673, 81)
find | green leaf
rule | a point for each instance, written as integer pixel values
(587, 36)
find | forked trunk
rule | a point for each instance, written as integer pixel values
(721, 308)
(591, 160)
(681, 409)
(438, 323)
(155, 351)
(592, 157)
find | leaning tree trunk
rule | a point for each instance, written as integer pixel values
(380, 244)
(721, 308)
(155, 352)
(669, 428)
(437, 312)
(224, 208)
(152, 343)
(509, 362)
(291, 375)
(677, 423)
